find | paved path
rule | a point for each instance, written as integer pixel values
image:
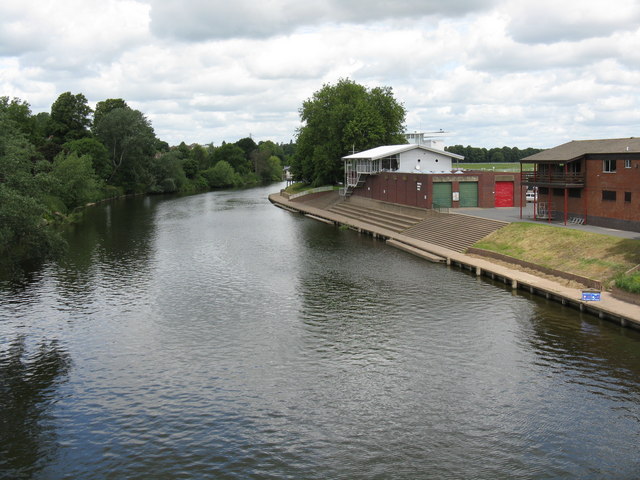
(608, 307)
(512, 214)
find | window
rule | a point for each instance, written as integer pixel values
(609, 195)
(609, 166)
(543, 191)
(627, 163)
(558, 192)
(627, 196)
(575, 192)
(390, 163)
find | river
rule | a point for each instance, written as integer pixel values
(217, 336)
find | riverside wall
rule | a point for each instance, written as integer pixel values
(609, 308)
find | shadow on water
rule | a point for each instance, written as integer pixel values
(27, 382)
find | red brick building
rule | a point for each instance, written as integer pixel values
(449, 190)
(592, 181)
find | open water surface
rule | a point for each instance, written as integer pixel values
(216, 336)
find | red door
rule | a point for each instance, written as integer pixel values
(504, 194)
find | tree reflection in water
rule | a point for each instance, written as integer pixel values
(27, 381)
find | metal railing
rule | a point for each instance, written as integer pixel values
(439, 208)
(555, 178)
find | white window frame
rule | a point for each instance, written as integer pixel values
(627, 163)
(607, 164)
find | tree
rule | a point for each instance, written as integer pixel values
(75, 180)
(221, 175)
(247, 145)
(234, 156)
(130, 140)
(95, 150)
(168, 173)
(24, 234)
(70, 117)
(339, 119)
(106, 106)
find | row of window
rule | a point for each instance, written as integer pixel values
(609, 166)
(607, 195)
(610, 196)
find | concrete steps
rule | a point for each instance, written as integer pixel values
(453, 231)
(396, 222)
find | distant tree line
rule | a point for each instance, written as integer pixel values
(53, 162)
(492, 155)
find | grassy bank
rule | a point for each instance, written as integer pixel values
(592, 255)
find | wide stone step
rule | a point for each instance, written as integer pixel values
(379, 212)
(452, 231)
(392, 221)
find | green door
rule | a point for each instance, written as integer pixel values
(468, 194)
(442, 194)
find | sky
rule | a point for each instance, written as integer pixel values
(491, 73)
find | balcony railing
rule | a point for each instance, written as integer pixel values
(560, 179)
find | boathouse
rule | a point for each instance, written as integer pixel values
(588, 181)
(426, 176)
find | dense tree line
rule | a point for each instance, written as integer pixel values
(492, 155)
(53, 162)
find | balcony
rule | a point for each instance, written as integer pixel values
(555, 179)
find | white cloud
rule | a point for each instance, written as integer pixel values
(551, 21)
(493, 72)
(199, 20)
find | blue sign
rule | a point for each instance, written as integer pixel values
(591, 296)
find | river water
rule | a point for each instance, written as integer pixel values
(216, 336)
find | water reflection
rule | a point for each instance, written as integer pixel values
(216, 336)
(27, 382)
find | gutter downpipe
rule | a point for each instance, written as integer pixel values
(566, 196)
(521, 191)
(550, 195)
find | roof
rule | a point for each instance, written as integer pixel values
(388, 150)
(578, 148)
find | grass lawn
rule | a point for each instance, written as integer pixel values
(592, 255)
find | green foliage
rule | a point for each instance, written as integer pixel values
(190, 167)
(75, 180)
(24, 234)
(70, 117)
(106, 106)
(94, 149)
(247, 145)
(221, 175)
(273, 170)
(629, 282)
(130, 140)
(341, 118)
(168, 173)
(234, 156)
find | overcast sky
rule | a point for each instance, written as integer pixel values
(491, 72)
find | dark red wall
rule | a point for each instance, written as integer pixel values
(402, 187)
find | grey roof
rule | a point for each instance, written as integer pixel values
(577, 148)
(388, 150)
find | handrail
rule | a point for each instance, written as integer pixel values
(576, 178)
(439, 208)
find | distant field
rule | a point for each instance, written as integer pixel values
(498, 167)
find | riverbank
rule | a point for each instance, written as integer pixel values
(608, 307)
